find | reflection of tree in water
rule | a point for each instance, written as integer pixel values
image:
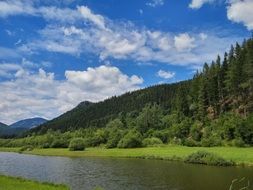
(238, 182)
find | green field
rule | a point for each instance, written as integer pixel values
(13, 183)
(238, 155)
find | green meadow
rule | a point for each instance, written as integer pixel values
(241, 156)
(13, 183)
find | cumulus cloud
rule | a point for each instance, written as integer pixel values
(118, 40)
(196, 4)
(241, 12)
(184, 42)
(8, 69)
(40, 94)
(79, 31)
(166, 74)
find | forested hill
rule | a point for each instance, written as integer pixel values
(98, 114)
(222, 86)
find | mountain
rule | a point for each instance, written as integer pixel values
(2, 125)
(223, 86)
(20, 127)
(28, 123)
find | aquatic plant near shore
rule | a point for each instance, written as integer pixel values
(207, 158)
(240, 181)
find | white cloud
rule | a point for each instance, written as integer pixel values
(40, 94)
(96, 19)
(7, 70)
(183, 42)
(203, 36)
(155, 3)
(79, 31)
(166, 74)
(196, 4)
(241, 12)
(14, 7)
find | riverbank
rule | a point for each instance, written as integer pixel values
(241, 156)
(14, 183)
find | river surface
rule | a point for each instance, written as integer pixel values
(122, 174)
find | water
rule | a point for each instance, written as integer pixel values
(121, 174)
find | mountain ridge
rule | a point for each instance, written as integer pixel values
(28, 123)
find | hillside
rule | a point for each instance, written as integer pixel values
(98, 114)
(222, 86)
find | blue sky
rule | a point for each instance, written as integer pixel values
(55, 54)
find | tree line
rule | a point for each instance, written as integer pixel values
(213, 108)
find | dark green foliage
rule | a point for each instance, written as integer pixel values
(213, 140)
(114, 131)
(59, 143)
(150, 118)
(77, 144)
(132, 139)
(191, 142)
(206, 158)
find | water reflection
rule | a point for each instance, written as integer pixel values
(121, 174)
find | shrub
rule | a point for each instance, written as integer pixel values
(176, 141)
(131, 140)
(59, 143)
(238, 142)
(45, 145)
(77, 144)
(152, 141)
(207, 158)
(213, 140)
(114, 138)
(26, 148)
(190, 142)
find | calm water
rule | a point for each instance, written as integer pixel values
(121, 174)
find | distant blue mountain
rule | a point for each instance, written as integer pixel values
(2, 125)
(28, 123)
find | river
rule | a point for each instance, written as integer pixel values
(122, 174)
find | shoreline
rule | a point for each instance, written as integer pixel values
(240, 156)
(11, 182)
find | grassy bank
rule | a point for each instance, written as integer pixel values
(13, 183)
(241, 156)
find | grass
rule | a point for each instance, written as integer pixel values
(241, 156)
(14, 183)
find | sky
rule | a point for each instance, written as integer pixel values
(55, 54)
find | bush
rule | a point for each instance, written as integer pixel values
(206, 158)
(77, 144)
(190, 142)
(213, 140)
(176, 141)
(26, 148)
(238, 142)
(59, 143)
(152, 141)
(131, 140)
(114, 137)
(45, 145)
